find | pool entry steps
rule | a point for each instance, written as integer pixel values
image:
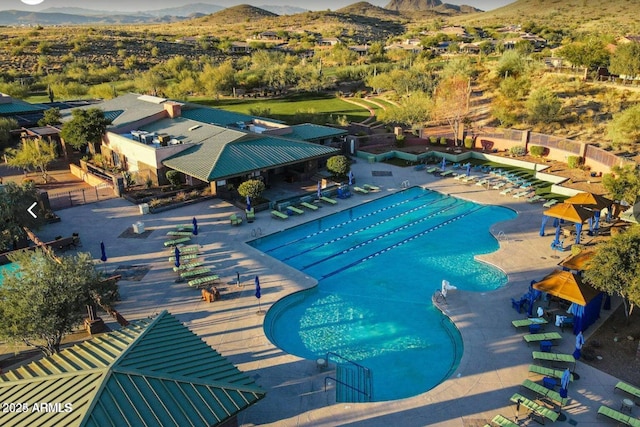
(354, 382)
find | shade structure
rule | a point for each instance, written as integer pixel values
(569, 212)
(589, 200)
(103, 253)
(632, 214)
(568, 286)
(195, 226)
(578, 262)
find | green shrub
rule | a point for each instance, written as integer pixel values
(252, 188)
(468, 142)
(173, 177)
(400, 141)
(339, 165)
(518, 150)
(536, 150)
(574, 161)
(443, 140)
(433, 140)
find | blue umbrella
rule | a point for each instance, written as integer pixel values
(468, 169)
(579, 343)
(176, 252)
(195, 226)
(444, 163)
(350, 177)
(248, 203)
(564, 382)
(258, 293)
(103, 252)
(545, 219)
(319, 189)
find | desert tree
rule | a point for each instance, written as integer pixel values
(451, 103)
(85, 126)
(411, 111)
(7, 124)
(624, 128)
(543, 106)
(14, 201)
(615, 268)
(33, 154)
(47, 298)
(623, 183)
(50, 117)
(625, 61)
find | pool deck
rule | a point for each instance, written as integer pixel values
(495, 358)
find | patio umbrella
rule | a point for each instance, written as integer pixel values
(579, 344)
(468, 169)
(248, 203)
(258, 293)
(319, 189)
(564, 382)
(444, 163)
(176, 253)
(350, 177)
(103, 253)
(195, 226)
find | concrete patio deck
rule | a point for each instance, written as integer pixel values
(495, 357)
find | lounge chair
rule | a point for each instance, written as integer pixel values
(188, 266)
(469, 178)
(548, 372)
(521, 194)
(618, 416)
(295, 210)
(536, 198)
(309, 206)
(184, 227)
(371, 187)
(538, 410)
(548, 336)
(195, 272)
(279, 215)
(432, 170)
(482, 182)
(203, 281)
(550, 203)
(502, 421)
(551, 395)
(527, 322)
(250, 214)
(459, 176)
(360, 190)
(183, 257)
(235, 219)
(328, 200)
(194, 249)
(554, 357)
(634, 391)
(506, 191)
(179, 233)
(446, 173)
(175, 242)
(499, 185)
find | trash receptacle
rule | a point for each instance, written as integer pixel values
(371, 159)
(549, 383)
(144, 208)
(138, 227)
(545, 346)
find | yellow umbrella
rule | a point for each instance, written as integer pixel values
(569, 212)
(590, 200)
(568, 286)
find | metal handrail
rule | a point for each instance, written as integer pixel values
(344, 384)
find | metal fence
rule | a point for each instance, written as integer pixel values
(81, 196)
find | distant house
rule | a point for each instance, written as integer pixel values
(360, 49)
(269, 35)
(406, 47)
(470, 48)
(629, 39)
(187, 40)
(328, 41)
(240, 47)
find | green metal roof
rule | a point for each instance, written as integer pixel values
(214, 116)
(311, 132)
(215, 159)
(153, 372)
(17, 106)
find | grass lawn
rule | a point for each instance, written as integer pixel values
(293, 109)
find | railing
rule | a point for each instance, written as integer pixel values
(81, 196)
(256, 232)
(405, 184)
(502, 236)
(364, 378)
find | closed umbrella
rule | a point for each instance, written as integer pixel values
(248, 203)
(258, 294)
(103, 253)
(468, 169)
(195, 226)
(350, 177)
(444, 163)
(579, 343)
(319, 190)
(176, 253)
(564, 382)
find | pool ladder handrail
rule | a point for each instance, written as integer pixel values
(366, 371)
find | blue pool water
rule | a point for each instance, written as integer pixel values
(378, 265)
(7, 268)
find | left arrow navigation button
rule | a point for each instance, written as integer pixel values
(30, 210)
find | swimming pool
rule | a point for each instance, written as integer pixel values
(377, 265)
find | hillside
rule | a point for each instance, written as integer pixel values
(238, 14)
(364, 8)
(412, 5)
(613, 17)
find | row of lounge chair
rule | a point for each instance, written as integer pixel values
(190, 267)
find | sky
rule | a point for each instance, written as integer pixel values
(141, 5)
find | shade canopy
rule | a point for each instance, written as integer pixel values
(568, 286)
(569, 212)
(590, 200)
(632, 214)
(578, 262)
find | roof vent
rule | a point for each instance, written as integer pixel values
(194, 127)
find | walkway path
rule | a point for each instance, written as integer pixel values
(495, 358)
